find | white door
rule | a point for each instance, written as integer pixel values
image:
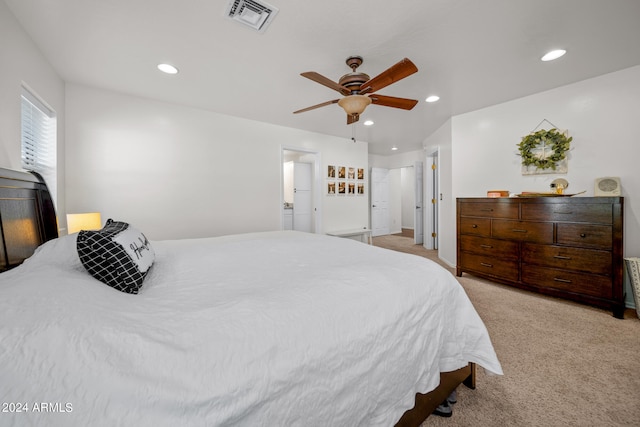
(302, 197)
(418, 222)
(379, 202)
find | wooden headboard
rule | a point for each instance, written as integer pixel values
(27, 216)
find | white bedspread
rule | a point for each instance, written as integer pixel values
(262, 329)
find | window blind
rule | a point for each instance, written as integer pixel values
(39, 130)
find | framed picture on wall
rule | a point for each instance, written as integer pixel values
(342, 188)
(360, 173)
(351, 173)
(342, 172)
(351, 188)
(331, 171)
(331, 188)
(360, 189)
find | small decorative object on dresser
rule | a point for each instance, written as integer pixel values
(560, 246)
(607, 187)
(497, 193)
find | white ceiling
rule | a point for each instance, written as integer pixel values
(471, 53)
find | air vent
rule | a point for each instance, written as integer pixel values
(256, 14)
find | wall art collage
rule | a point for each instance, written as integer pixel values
(345, 181)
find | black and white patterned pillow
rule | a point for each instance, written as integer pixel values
(118, 255)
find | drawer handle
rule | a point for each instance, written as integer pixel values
(561, 280)
(484, 264)
(563, 213)
(486, 210)
(518, 230)
(474, 226)
(561, 257)
(583, 235)
(486, 246)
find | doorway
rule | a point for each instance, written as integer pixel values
(300, 189)
(401, 194)
(379, 201)
(397, 201)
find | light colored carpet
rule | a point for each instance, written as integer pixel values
(565, 364)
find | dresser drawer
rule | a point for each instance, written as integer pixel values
(580, 283)
(489, 247)
(477, 226)
(537, 232)
(585, 236)
(585, 260)
(490, 210)
(570, 212)
(501, 268)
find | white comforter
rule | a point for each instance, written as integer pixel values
(263, 329)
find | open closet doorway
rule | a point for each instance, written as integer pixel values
(300, 190)
(406, 196)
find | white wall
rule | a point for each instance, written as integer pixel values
(179, 172)
(601, 115)
(21, 62)
(396, 160)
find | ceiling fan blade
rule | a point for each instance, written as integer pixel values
(319, 78)
(352, 118)
(397, 72)
(392, 101)
(313, 107)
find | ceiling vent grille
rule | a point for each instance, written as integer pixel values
(256, 14)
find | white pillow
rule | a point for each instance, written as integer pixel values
(60, 251)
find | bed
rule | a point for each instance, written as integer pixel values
(272, 328)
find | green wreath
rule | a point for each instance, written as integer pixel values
(557, 141)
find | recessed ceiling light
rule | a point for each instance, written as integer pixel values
(554, 54)
(432, 98)
(394, 148)
(368, 122)
(167, 68)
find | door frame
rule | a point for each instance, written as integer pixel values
(418, 189)
(432, 198)
(316, 185)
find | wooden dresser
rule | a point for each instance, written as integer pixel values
(568, 247)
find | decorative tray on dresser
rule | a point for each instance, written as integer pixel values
(567, 247)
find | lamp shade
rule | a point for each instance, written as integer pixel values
(83, 221)
(354, 104)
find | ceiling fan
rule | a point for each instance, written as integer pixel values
(358, 88)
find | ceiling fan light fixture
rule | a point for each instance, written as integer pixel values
(354, 104)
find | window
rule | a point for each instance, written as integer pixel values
(39, 130)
